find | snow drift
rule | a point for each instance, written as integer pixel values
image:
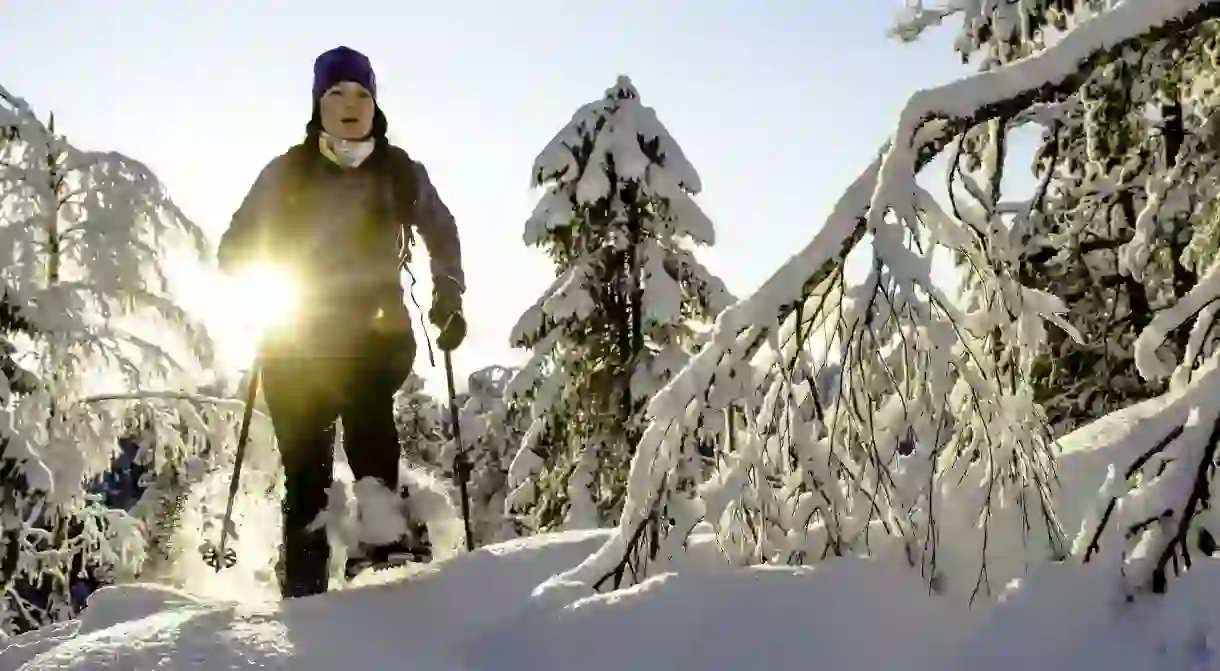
(475, 611)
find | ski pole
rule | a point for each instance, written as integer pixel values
(225, 557)
(459, 456)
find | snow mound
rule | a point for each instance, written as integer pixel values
(114, 604)
(108, 606)
(423, 620)
(475, 612)
(777, 617)
(1069, 616)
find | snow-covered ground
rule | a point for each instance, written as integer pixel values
(475, 611)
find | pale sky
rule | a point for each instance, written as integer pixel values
(778, 104)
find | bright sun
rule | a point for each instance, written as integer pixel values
(238, 310)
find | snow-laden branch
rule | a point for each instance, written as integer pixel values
(1205, 293)
(87, 235)
(1044, 77)
(708, 287)
(1170, 453)
(566, 301)
(992, 415)
(201, 399)
(842, 230)
(915, 18)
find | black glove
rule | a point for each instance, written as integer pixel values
(446, 314)
(453, 333)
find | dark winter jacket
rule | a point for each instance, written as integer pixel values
(342, 232)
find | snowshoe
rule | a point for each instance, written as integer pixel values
(413, 549)
(358, 565)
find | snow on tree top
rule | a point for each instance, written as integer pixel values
(614, 157)
(615, 139)
(14, 110)
(622, 89)
(620, 128)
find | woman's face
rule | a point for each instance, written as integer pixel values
(347, 111)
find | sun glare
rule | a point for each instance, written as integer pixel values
(238, 310)
(265, 296)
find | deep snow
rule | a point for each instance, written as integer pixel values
(475, 611)
(478, 612)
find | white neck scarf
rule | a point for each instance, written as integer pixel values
(346, 153)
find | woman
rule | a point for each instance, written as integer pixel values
(337, 212)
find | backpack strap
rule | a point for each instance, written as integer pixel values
(400, 189)
(401, 193)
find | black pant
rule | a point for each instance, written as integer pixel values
(305, 396)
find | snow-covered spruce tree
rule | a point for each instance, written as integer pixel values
(17, 382)
(618, 220)
(889, 418)
(166, 488)
(421, 427)
(83, 237)
(492, 430)
(1123, 126)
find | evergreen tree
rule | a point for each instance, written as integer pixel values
(1124, 127)
(623, 314)
(1124, 226)
(492, 430)
(885, 417)
(84, 238)
(421, 425)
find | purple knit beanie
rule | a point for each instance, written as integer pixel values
(342, 64)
